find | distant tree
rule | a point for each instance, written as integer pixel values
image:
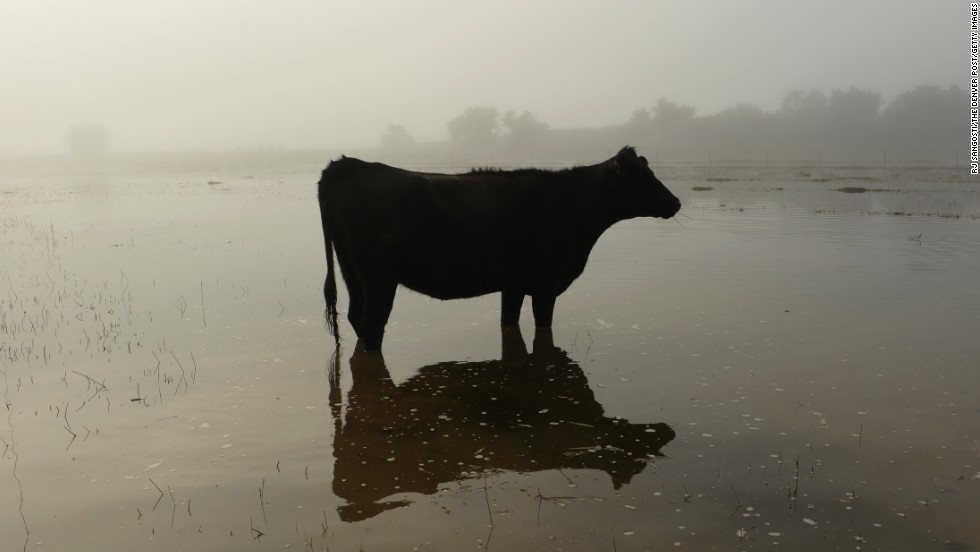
(673, 122)
(799, 102)
(803, 117)
(927, 114)
(523, 128)
(396, 137)
(639, 129)
(478, 126)
(87, 139)
(853, 114)
(855, 104)
(670, 115)
(641, 117)
(740, 123)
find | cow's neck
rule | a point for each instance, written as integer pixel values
(596, 201)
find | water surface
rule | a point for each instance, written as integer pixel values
(786, 366)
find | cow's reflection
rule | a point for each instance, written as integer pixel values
(523, 413)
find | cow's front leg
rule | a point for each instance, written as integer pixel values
(510, 307)
(543, 307)
(378, 299)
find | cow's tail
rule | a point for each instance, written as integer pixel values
(330, 285)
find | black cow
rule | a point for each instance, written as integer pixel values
(450, 236)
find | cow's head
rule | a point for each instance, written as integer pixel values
(638, 192)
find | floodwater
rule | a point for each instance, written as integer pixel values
(787, 366)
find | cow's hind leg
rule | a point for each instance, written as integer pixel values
(510, 307)
(355, 291)
(355, 312)
(378, 299)
(544, 308)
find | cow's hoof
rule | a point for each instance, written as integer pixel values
(370, 347)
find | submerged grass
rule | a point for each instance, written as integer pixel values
(895, 213)
(862, 190)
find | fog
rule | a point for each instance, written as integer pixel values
(236, 74)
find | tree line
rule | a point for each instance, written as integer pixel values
(478, 127)
(924, 115)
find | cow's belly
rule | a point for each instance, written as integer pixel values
(458, 266)
(453, 279)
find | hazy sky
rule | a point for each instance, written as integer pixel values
(190, 74)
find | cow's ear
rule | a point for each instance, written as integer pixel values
(624, 160)
(627, 154)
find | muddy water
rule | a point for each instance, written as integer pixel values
(793, 368)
